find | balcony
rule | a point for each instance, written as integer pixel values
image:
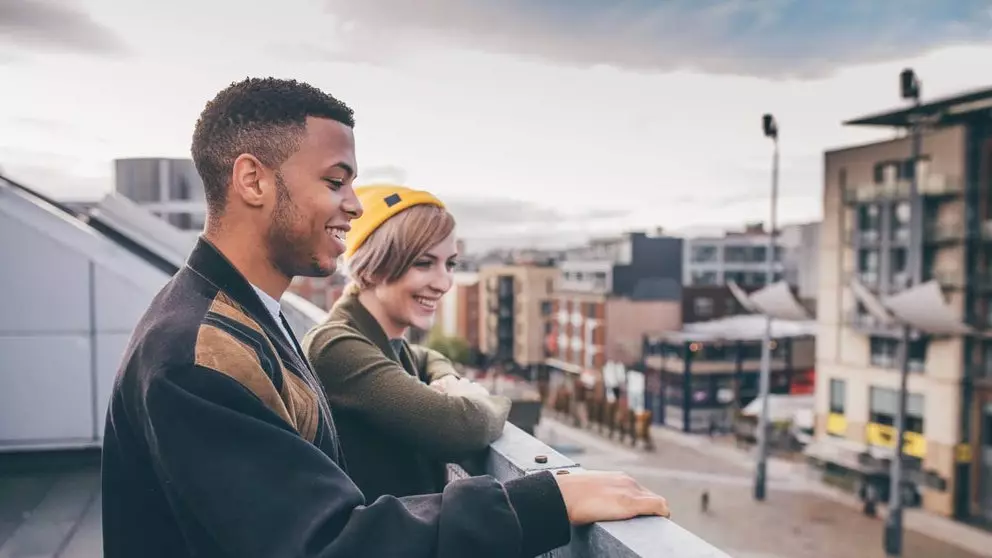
(863, 237)
(517, 454)
(139, 257)
(932, 186)
(944, 233)
(869, 325)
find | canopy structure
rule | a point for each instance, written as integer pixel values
(775, 300)
(921, 307)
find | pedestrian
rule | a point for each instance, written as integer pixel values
(218, 439)
(401, 410)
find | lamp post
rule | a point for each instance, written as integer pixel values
(770, 128)
(909, 89)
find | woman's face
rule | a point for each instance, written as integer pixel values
(412, 299)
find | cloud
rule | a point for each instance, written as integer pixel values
(51, 25)
(767, 38)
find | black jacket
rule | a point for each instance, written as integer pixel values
(218, 443)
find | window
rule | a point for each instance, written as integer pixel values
(704, 253)
(704, 278)
(897, 264)
(546, 308)
(703, 306)
(868, 217)
(884, 404)
(837, 396)
(885, 353)
(868, 266)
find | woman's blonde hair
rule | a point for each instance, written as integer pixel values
(389, 252)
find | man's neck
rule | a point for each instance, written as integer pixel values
(251, 261)
(372, 304)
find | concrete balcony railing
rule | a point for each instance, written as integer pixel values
(517, 454)
(933, 185)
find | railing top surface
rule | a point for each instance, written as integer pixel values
(516, 453)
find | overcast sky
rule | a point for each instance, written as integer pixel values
(531, 117)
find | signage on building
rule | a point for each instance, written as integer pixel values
(883, 435)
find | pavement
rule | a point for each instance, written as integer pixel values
(50, 505)
(800, 518)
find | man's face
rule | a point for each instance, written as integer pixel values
(315, 201)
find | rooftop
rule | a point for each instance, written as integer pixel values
(49, 469)
(746, 327)
(950, 110)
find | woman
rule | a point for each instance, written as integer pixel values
(402, 411)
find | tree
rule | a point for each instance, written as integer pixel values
(455, 348)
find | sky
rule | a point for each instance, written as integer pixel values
(537, 120)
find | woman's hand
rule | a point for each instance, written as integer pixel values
(453, 385)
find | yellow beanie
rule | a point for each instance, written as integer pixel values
(379, 203)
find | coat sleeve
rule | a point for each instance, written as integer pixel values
(357, 376)
(242, 474)
(434, 364)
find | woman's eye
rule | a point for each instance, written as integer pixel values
(334, 183)
(452, 265)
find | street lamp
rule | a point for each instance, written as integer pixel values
(909, 86)
(770, 128)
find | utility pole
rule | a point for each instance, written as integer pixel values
(910, 89)
(770, 128)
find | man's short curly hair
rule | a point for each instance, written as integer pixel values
(265, 117)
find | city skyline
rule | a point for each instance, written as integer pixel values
(495, 107)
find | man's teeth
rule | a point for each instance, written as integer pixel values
(336, 233)
(428, 302)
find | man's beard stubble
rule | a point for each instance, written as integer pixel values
(291, 252)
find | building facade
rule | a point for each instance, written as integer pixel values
(865, 235)
(742, 257)
(515, 304)
(611, 293)
(699, 376)
(169, 188)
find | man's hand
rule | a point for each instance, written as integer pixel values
(592, 496)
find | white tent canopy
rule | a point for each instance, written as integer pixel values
(921, 307)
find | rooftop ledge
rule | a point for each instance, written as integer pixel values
(516, 454)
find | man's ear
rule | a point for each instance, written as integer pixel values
(247, 175)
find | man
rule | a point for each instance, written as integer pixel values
(219, 441)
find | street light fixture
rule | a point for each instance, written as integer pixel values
(909, 86)
(770, 128)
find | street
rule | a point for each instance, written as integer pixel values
(794, 522)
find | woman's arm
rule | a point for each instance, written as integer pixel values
(357, 376)
(433, 364)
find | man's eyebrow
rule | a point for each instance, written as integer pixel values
(345, 167)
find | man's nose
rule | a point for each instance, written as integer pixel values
(351, 204)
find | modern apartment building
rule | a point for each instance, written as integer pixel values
(738, 256)
(169, 188)
(702, 373)
(865, 234)
(743, 258)
(611, 293)
(515, 308)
